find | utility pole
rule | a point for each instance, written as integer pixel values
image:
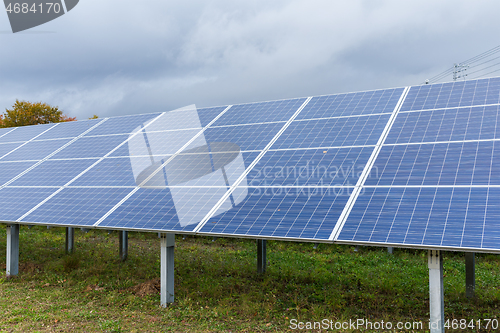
(459, 71)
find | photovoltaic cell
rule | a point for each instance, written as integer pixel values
(70, 129)
(12, 169)
(460, 163)
(91, 147)
(306, 213)
(336, 132)
(53, 173)
(312, 167)
(361, 103)
(35, 150)
(17, 201)
(476, 123)
(260, 112)
(26, 133)
(122, 125)
(206, 115)
(247, 137)
(5, 131)
(175, 209)
(77, 206)
(6, 148)
(110, 172)
(448, 217)
(453, 94)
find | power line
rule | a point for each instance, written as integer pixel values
(462, 69)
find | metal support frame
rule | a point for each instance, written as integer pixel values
(167, 269)
(70, 239)
(436, 292)
(470, 274)
(123, 244)
(12, 250)
(261, 256)
(390, 250)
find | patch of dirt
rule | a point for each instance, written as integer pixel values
(150, 287)
(27, 267)
(30, 267)
(92, 287)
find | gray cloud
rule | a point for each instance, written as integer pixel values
(123, 57)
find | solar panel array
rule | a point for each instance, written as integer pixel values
(409, 166)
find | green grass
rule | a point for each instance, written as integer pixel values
(217, 288)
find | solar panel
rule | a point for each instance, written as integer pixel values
(434, 180)
(409, 166)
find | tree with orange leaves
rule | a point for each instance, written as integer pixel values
(24, 113)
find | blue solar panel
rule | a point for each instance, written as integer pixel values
(477, 123)
(430, 184)
(5, 131)
(312, 167)
(335, 132)
(460, 163)
(448, 217)
(177, 209)
(6, 148)
(453, 94)
(77, 206)
(35, 150)
(91, 147)
(206, 115)
(26, 133)
(263, 112)
(122, 125)
(53, 172)
(69, 130)
(109, 172)
(361, 103)
(17, 201)
(247, 137)
(12, 169)
(305, 213)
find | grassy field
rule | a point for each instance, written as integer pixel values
(218, 289)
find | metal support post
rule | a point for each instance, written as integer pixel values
(470, 274)
(436, 292)
(70, 239)
(390, 250)
(12, 249)
(261, 256)
(167, 269)
(123, 244)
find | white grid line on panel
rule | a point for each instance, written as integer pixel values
(46, 158)
(90, 167)
(417, 246)
(25, 143)
(263, 186)
(1, 136)
(452, 108)
(118, 134)
(161, 167)
(437, 142)
(250, 167)
(250, 124)
(350, 116)
(366, 171)
(50, 155)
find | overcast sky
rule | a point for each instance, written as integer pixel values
(118, 57)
